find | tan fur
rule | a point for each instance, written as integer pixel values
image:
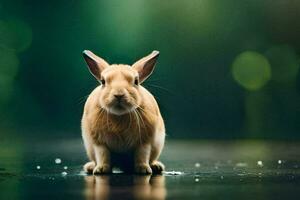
(140, 130)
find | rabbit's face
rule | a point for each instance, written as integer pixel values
(119, 89)
(120, 83)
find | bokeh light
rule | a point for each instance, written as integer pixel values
(6, 36)
(15, 37)
(15, 34)
(9, 63)
(251, 70)
(284, 62)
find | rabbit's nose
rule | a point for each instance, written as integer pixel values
(119, 96)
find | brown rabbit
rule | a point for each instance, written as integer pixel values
(121, 123)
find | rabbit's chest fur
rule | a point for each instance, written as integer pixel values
(120, 133)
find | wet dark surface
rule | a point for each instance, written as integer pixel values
(196, 169)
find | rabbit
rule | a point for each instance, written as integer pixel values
(121, 123)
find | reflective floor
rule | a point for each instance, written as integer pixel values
(196, 169)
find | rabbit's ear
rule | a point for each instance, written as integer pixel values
(95, 63)
(145, 66)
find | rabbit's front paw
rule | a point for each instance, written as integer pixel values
(143, 169)
(89, 167)
(102, 169)
(157, 167)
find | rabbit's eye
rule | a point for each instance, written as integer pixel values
(102, 81)
(136, 81)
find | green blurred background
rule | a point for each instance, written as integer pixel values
(228, 69)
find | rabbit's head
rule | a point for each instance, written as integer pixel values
(120, 84)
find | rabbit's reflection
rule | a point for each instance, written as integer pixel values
(125, 187)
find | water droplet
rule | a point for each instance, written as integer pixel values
(65, 167)
(241, 164)
(38, 167)
(173, 173)
(222, 177)
(64, 173)
(279, 162)
(260, 163)
(57, 160)
(197, 165)
(196, 179)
